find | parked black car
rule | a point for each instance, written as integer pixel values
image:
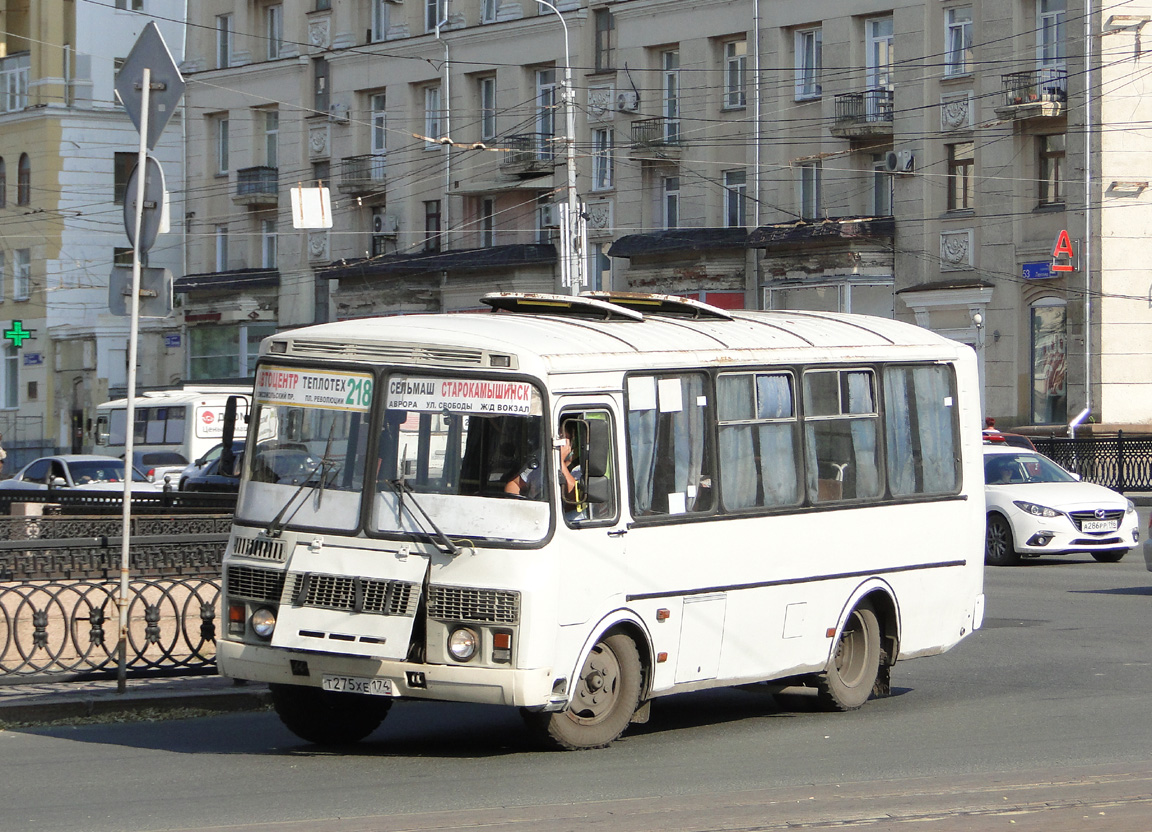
(205, 475)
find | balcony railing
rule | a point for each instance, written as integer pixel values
(863, 113)
(257, 186)
(1046, 87)
(528, 153)
(656, 132)
(363, 174)
(14, 83)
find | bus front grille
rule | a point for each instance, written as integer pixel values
(255, 584)
(454, 603)
(342, 592)
(256, 547)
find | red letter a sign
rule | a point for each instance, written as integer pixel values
(1063, 250)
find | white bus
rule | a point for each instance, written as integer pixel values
(188, 422)
(786, 497)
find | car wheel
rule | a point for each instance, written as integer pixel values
(1111, 556)
(999, 548)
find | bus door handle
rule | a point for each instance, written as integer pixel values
(618, 532)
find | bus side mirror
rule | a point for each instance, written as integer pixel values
(227, 457)
(599, 443)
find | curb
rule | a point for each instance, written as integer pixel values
(54, 708)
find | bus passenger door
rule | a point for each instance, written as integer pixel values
(591, 527)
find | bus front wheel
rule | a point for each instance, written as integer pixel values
(606, 695)
(326, 718)
(855, 663)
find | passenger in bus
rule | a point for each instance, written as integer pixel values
(529, 480)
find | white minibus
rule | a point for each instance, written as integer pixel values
(575, 505)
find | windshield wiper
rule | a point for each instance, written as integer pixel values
(401, 487)
(276, 526)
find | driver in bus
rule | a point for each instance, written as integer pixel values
(529, 482)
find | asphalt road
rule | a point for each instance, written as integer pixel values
(1042, 720)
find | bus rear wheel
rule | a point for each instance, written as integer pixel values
(606, 695)
(852, 670)
(326, 718)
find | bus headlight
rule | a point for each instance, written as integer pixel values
(463, 644)
(263, 622)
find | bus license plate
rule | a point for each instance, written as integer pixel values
(357, 684)
(1099, 525)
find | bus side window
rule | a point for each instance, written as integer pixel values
(596, 488)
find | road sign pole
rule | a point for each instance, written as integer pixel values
(130, 410)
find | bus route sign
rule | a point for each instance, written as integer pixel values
(463, 395)
(331, 389)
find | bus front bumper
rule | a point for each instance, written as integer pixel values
(453, 683)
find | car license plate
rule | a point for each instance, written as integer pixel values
(1099, 525)
(357, 684)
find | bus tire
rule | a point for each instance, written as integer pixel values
(999, 547)
(854, 666)
(1110, 556)
(606, 695)
(326, 718)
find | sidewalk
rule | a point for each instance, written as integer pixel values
(48, 702)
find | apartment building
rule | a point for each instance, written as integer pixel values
(66, 150)
(909, 159)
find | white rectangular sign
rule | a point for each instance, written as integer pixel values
(459, 395)
(334, 389)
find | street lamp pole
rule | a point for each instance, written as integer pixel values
(572, 227)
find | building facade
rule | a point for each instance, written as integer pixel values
(66, 150)
(910, 159)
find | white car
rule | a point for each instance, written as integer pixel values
(1037, 508)
(78, 472)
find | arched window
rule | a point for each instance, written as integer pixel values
(24, 181)
(3, 184)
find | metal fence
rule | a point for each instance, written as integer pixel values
(1122, 461)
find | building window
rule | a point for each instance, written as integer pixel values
(136, 5)
(883, 184)
(3, 276)
(22, 274)
(432, 225)
(323, 5)
(223, 41)
(122, 166)
(11, 386)
(599, 270)
(879, 57)
(961, 182)
(605, 46)
(735, 69)
(487, 222)
(222, 146)
(379, 20)
(1050, 27)
(488, 108)
(432, 117)
(671, 190)
(435, 11)
(24, 180)
(670, 93)
(320, 84)
(271, 138)
(488, 11)
(274, 30)
(221, 248)
(321, 174)
(958, 40)
(735, 199)
(809, 63)
(810, 196)
(3, 184)
(377, 120)
(268, 244)
(1049, 363)
(225, 352)
(546, 104)
(1051, 169)
(602, 159)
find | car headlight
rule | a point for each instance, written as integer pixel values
(1035, 510)
(263, 622)
(1131, 507)
(463, 643)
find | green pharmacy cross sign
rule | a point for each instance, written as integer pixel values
(18, 334)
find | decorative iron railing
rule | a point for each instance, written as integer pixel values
(1122, 461)
(1047, 83)
(363, 174)
(653, 132)
(257, 182)
(528, 150)
(867, 107)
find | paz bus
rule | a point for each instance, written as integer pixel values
(792, 497)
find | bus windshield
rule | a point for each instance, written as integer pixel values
(469, 453)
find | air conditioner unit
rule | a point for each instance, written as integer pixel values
(338, 114)
(891, 161)
(385, 224)
(628, 102)
(905, 161)
(549, 216)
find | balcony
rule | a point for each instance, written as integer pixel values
(363, 175)
(1040, 92)
(528, 154)
(863, 114)
(660, 133)
(257, 187)
(14, 83)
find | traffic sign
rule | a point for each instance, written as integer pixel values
(152, 216)
(155, 292)
(167, 87)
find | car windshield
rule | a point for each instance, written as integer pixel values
(84, 472)
(1012, 469)
(305, 456)
(451, 446)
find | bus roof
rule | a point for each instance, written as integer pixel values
(563, 334)
(210, 395)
